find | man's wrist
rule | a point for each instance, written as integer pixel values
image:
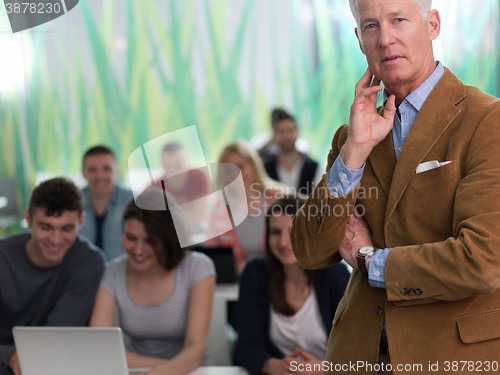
(354, 157)
(367, 262)
(363, 258)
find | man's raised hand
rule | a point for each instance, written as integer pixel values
(366, 127)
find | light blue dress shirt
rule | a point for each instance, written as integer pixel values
(113, 223)
(343, 180)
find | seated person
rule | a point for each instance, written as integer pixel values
(266, 144)
(48, 277)
(163, 293)
(247, 238)
(290, 166)
(285, 312)
(185, 185)
(104, 201)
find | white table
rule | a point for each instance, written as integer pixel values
(207, 370)
(217, 344)
(219, 370)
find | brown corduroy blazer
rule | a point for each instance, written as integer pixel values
(444, 228)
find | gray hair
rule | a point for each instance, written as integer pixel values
(424, 5)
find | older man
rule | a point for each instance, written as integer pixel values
(424, 242)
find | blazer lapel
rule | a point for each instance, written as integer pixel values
(383, 161)
(436, 115)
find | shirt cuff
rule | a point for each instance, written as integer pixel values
(376, 269)
(343, 180)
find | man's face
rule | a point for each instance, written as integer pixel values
(174, 163)
(100, 171)
(286, 134)
(397, 41)
(52, 236)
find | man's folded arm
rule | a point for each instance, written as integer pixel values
(319, 226)
(468, 263)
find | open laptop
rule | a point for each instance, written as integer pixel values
(223, 259)
(71, 350)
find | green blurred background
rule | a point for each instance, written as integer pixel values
(122, 72)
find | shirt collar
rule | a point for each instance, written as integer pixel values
(418, 97)
(86, 197)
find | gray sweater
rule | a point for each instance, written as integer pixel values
(54, 296)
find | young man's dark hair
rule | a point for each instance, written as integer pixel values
(284, 116)
(277, 114)
(56, 196)
(98, 150)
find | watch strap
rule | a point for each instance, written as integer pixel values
(362, 264)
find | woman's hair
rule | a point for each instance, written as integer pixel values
(262, 181)
(152, 210)
(287, 205)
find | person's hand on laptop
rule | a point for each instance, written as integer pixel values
(14, 363)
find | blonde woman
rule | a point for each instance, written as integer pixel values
(247, 238)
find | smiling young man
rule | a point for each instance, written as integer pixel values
(48, 277)
(104, 201)
(293, 168)
(423, 296)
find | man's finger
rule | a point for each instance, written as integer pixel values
(363, 82)
(390, 109)
(308, 356)
(366, 93)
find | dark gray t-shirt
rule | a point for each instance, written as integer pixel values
(53, 296)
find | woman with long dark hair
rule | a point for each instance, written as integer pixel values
(163, 292)
(285, 312)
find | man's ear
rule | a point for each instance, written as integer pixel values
(359, 40)
(82, 219)
(433, 24)
(27, 216)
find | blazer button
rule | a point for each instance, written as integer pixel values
(404, 291)
(379, 311)
(318, 219)
(418, 291)
(411, 292)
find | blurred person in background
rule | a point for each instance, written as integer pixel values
(185, 185)
(104, 200)
(290, 166)
(284, 312)
(247, 239)
(163, 293)
(265, 143)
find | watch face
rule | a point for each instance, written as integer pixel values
(366, 250)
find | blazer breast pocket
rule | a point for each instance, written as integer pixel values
(430, 198)
(437, 178)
